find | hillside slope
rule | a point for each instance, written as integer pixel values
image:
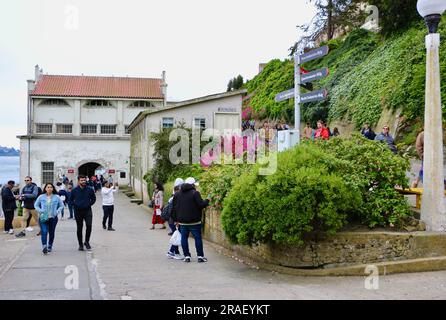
(368, 74)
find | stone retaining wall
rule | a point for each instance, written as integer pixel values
(342, 249)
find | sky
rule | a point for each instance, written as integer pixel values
(201, 44)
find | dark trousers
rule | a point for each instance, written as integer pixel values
(28, 221)
(71, 209)
(196, 232)
(9, 217)
(108, 214)
(174, 249)
(81, 215)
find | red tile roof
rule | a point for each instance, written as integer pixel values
(100, 87)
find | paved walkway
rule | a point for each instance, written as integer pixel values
(130, 263)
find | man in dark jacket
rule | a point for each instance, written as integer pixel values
(367, 132)
(83, 198)
(8, 206)
(28, 196)
(187, 209)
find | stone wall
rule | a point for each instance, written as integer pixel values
(342, 249)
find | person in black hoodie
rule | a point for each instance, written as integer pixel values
(186, 212)
(83, 198)
(8, 206)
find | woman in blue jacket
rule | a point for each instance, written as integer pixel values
(48, 205)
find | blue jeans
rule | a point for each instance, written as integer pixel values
(196, 232)
(48, 227)
(71, 209)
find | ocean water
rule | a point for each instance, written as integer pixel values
(9, 169)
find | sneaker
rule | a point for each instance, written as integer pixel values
(29, 229)
(170, 255)
(87, 245)
(6, 231)
(45, 250)
(178, 256)
(111, 229)
(39, 233)
(20, 234)
(11, 231)
(186, 259)
(81, 248)
(50, 248)
(202, 259)
(170, 233)
(104, 227)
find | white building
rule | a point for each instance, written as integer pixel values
(219, 111)
(79, 124)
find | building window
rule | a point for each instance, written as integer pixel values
(200, 123)
(142, 104)
(127, 130)
(89, 129)
(64, 128)
(54, 102)
(47, 172)
(99, 103)
(168, 123)
(44, 128)
(122, 175)
(108, 129)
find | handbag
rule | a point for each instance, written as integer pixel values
(175, 240)
(151, 204)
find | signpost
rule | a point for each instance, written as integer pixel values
(299, 79)
(111, 171)
(71, 171)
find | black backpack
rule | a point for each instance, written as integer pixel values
(167, 211)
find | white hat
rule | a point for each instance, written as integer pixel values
(191, 180)
(178, 182)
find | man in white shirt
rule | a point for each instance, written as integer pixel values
(108, 202)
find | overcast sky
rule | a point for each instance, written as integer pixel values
(201, 44)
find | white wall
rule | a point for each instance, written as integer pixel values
(70, 154)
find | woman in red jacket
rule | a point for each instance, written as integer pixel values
(321, 131)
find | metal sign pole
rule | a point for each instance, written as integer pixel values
(297, 96)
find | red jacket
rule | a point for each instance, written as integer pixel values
(322, 133)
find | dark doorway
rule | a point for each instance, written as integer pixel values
(89, 169)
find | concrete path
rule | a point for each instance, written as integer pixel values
(130, 263)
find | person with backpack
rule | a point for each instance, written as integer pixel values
(8, 205)
(63, 194)
(70, 201)
(187, 213)
(108, 205)
(48, 205)
(28, 196)
(174, 252)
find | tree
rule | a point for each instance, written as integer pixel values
(396, 15)
(230, 84)
(235, 84)
(331, 16)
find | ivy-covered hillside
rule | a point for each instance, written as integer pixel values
(367, 74)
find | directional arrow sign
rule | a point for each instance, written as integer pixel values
(313, 96)
(285, 95)
(314, 54)
(315, 75)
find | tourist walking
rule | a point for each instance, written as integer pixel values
(70, 201)
(48, 205)
(187, 211)
(367, 132)
(174, 252)
(83, 198)
(385, 136)
(419, 145)
(108, 205)
(308, 132)
(158, 198)
(321, 131)
(28, 196)
(8, 206)
(63, 194)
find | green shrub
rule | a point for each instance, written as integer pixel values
(304, 195)
(375, 171)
